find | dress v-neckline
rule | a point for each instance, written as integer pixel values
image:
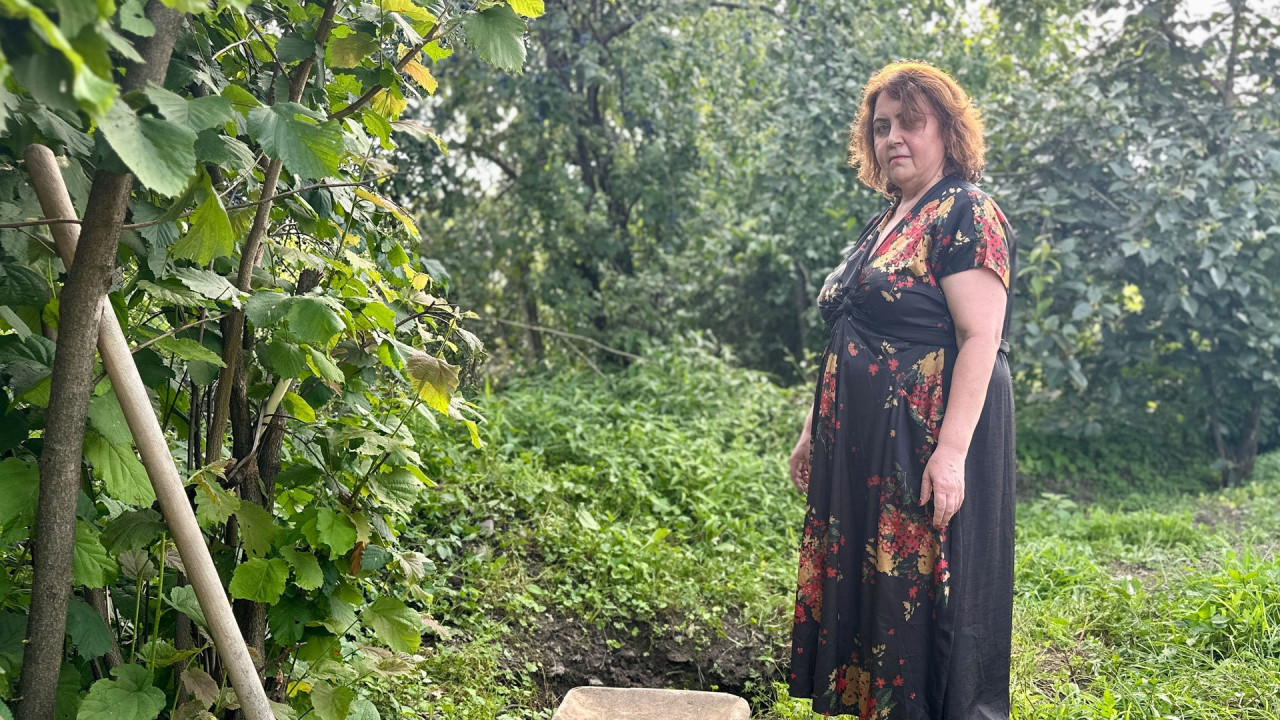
(878, 240)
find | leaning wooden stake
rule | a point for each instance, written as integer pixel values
(114, 349)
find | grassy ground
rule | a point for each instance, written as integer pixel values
(639, 529)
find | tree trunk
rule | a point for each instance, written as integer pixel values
(80, 309)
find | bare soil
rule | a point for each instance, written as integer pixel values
(572, 652)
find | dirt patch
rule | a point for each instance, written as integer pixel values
(570, 651)
(1053, 661)
(1223, 518)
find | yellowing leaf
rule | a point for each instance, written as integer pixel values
(349, 51)
(391, 207)
(433, 379)
(528, 8)
(388, 103)
(421, 18)
(420, 73)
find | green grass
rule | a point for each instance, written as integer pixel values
(654, 503)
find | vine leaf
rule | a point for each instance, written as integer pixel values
(257, 528)
(350, 51)
(183, 599)
(195, 113)
(130, 696)
(21, 286)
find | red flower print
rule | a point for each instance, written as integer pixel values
(893, 364)
(873, 368)
(879, 682)
(897, 681)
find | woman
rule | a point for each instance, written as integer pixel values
(905, 590)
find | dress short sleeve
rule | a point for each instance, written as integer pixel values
(974, 234)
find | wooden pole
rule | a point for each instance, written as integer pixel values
(156, 458)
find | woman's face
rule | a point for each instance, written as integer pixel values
(910, 154)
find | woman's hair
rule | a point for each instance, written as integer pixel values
(914, 84)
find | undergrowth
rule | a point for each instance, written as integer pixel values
(652, 504)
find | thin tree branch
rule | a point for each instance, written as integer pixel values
(562, 333)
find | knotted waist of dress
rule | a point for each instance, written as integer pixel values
(935, 336)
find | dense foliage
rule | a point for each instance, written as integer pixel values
(636, 190)
(263, 279)
(319, 208)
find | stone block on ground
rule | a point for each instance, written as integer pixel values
(606, 703)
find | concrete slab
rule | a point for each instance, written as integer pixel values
(606, 703)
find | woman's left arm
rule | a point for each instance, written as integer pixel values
(976, 299)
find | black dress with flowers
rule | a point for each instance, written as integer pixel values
(893, 618)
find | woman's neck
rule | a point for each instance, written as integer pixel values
(909, 200)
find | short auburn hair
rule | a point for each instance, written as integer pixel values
(913, 84)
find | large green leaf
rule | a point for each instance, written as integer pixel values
(335, 530)
(183, 599)
(306, 569)
(363, 709)
(125, 477)
(195, 113)
(91, 566)
(132, 530)
(19, 482)
(322, 366)
(313, 320)
(497, 34)
(398, 488)
(130, 696)
(161, 153)
(209, 234)
(394, 623)
(433, 379)
(21, 286)
(257, 528)
(259, 580)
(209, 284)
(107, 418)
(88, 633)
(351, 50)
(309, 147)
(331, 703)
(298, 408)
(266, 308)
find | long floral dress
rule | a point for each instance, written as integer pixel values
(893, 618)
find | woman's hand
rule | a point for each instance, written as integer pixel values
(944, 481)
(800, 463)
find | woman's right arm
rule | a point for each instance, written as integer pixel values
(800, 456)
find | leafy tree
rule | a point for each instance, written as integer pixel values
(1144, 181)
(261, 273)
